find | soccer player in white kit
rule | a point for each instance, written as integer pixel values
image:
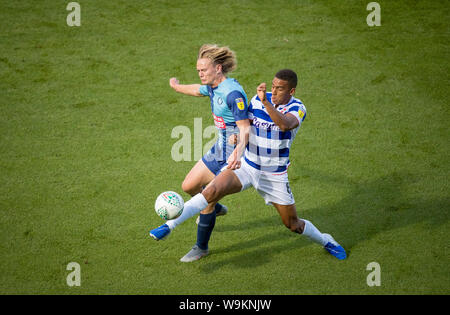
(275, 119)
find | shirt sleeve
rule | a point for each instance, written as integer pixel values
(204, 90)
(250, 107)
(238, 105)
(299, 111)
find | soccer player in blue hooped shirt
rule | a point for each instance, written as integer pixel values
(230, 112)
(275, 120)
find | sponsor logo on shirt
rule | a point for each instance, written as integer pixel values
(219, 122)
(264, 125)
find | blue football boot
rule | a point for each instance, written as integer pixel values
(160, 233)
(334, 248)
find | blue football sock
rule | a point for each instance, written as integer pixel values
(205, 228)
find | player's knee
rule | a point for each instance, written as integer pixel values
(211, 193)
(185, 187)
(188, 188)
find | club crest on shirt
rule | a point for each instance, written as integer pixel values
(301, 113)
(240, 103)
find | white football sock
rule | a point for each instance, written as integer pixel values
(313, 233)
(191, 208)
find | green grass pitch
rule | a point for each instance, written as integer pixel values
(86, 116)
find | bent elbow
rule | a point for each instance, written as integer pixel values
(285, 128)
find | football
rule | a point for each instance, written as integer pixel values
(169, 205)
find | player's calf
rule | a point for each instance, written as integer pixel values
(295, 226)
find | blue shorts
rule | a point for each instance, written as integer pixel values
(216, 158)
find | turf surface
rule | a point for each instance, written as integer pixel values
(86, 118)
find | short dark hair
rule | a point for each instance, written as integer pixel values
(289, 76)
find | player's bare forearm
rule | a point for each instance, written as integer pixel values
(188, 89)
(242, 143)
(244, 134)
(285, 122)
(234, 161)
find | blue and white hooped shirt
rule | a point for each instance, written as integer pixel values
(268, 146)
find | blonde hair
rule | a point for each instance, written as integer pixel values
(219, 55)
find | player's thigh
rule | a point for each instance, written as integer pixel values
(226, 183)
(198, 177)
(274, 188)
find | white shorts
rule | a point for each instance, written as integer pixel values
(273, 187)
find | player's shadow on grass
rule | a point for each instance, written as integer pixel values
(254, 252)
(368, 209)
(374, 207)
(266, 221)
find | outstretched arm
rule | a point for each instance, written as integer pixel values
(188, 89)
